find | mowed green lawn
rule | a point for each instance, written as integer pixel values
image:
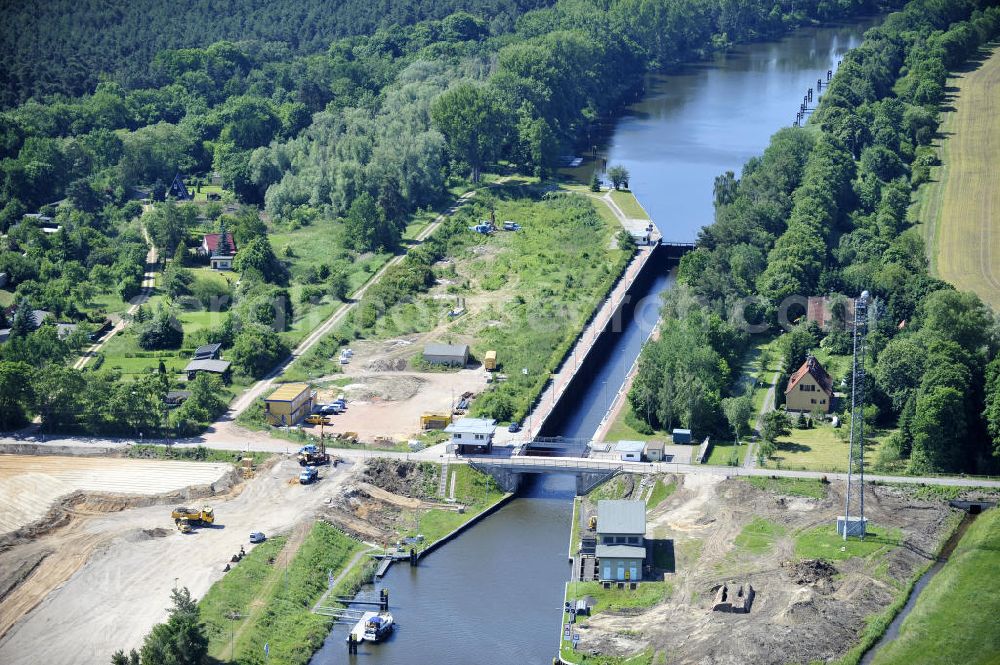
(957, 209)
(819, 449)
(955, 619)
(727, 453)
(629, 204)
(620, 430)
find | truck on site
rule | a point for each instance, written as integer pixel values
(490, 361)
(308, 475)
(312, 455)
(204, 516)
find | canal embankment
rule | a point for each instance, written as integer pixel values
(607, 319)
(491, 594)
(950, 599)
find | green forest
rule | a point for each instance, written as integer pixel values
(823, 212)
(339, 140)
(64, 47)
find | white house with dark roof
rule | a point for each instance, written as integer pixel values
(472, 435)
(621, 540)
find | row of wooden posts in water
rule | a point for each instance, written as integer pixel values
(807, 99)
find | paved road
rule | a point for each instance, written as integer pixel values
(438, 453)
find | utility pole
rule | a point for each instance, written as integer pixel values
(857, 446)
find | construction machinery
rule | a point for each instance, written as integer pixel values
(193, 516)
(184, 526)
(312, 455)
(309, 475)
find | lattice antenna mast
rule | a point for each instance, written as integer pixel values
(857, 447)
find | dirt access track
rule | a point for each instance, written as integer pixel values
(99, 581)
(803, 611)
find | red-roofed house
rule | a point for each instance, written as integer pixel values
(820, 309)
(810, 388)
(220, 253)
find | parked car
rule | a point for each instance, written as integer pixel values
(514, 427)
(511, 226)
(257, 537)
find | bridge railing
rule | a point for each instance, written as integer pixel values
(545, 463)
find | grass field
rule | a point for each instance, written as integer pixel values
(812, 489)
(823, 542)
(274, 601)
(629, 204)
(957, 209)
(955, 618)
(820, 448)
(759, 536)
(622, 430)
(661, 491)
(647, 595)
(727, 453)
(472, 488)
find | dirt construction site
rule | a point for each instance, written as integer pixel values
(385, 400)
(805, 609)
(94, 573)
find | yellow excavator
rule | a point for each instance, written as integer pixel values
(189, 516)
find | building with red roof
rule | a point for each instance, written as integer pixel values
(810, 388)
(220, 252)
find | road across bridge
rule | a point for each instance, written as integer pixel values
(247, 442)
(519, 464)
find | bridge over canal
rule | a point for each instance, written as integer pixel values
(590, 473)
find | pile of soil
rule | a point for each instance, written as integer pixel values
(418, 481)
(386, 365)
(812, 572)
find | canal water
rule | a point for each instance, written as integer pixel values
(713, 116)
(494, 595)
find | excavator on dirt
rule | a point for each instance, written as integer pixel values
(192, 516)
(313, 455)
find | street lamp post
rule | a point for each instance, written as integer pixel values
(233, 616)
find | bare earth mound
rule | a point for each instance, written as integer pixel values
(805, 609)
(31, 485)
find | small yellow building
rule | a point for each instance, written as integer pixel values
(809, 389)
(289, 404)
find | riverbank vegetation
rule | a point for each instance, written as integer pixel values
(944, 627)
(823, 213)
(261, 602)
